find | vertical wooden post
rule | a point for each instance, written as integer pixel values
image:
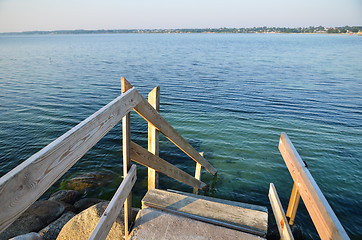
(153, 137)
(126, 149)
(293, 205)
(198, 173)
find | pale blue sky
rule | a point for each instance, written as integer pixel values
(29, 15)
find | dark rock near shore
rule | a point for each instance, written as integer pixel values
(86, 203)
(36, 217)
(66, 196)
(273, 232)
(69, 208)
(52, 231)
(297, 232)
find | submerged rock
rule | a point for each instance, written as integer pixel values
(52, 231)
(66, 196)
(36, 217)
(82, 225)
(88, 181)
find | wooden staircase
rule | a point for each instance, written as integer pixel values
(178, 215)
(164, 214)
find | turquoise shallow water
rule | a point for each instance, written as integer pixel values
(229, 95)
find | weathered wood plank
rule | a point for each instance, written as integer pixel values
(282, 223)
(293, 204)
(27, 182)
(126, 148)
(207, 210)
(198, 173)
(144, 157)
(104, 225)
(323, 217)
(153, 137)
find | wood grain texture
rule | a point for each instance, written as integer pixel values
(27, 182)
(104, 225)
(280, 218)
(152, 116)
(323, 217)
(144, 157)
(153, 137)
(126, 148)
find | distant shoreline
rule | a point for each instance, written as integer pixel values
(355, 30)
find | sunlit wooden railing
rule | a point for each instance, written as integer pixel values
(23, 185)
(114, 207)
(321, 213)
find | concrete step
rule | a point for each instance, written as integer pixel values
(228, 215)
(154, 224)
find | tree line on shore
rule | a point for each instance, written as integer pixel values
(319, 29)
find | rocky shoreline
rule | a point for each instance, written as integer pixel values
(66, 209)
(71, 214)
(70, 209)
(45, 218)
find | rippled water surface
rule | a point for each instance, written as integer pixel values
(229, 95)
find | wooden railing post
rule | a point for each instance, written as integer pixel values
(153, 137)
(280, 218)
(293, 205)
(126, 150)
(198, 173)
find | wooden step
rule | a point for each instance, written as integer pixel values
(239, 216)
(154, 224)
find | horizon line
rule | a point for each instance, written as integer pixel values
(170, 29)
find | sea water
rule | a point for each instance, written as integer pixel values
(229, 95)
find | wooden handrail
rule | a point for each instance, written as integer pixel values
(144, 157)
(145, 110)
(114, 207)
(23, 185)
(321, 213)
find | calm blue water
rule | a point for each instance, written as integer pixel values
(230, 96)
